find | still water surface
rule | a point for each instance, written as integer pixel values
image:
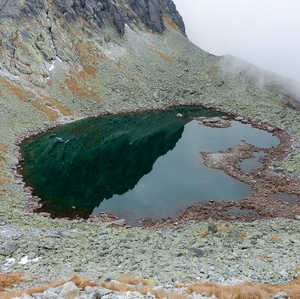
(144, 165)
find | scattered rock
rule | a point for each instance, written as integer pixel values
(216, 122)
(179, 115)
(118, 223)
(7, 249)
(239, 118)
(212, 228)
(198, 252)
(281, 295)
(25, 296)
(69, 291)
(97, 293)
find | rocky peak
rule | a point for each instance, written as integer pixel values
(116, 13)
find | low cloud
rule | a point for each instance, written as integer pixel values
(263, 32)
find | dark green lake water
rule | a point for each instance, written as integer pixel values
(142, 165)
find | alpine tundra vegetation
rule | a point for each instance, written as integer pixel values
(67, 60)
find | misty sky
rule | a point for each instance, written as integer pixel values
(264, 32)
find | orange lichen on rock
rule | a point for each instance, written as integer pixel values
(166, 57)
(171, 24)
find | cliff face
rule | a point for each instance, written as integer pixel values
(98, 12)
(37, 30)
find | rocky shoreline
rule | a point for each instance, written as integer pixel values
(263, 181)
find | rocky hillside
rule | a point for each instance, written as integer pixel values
(35, 34)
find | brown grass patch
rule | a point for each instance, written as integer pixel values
(79, 88)
(4, 178)
(138, 83)
(80, 282)
(244, 234)
(166, 57)
(11, 279)
(275, 238)
(209, 72)
(118, 287)
(55, 104)
(245, 290)
(240, 291)
(221, 228)
(150, 31)
(204, 234)
(3, 148)
(27, 96)
(79, 82)
(23, 95)
(90, 70)
(129, 279)
(51, 114)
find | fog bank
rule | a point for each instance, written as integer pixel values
(263, 32)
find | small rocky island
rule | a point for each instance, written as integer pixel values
(65, 62)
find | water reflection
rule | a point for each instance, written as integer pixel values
(133, 165)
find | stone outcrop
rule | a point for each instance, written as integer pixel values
(103, 12)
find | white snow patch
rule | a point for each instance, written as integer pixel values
(9, 262)
(25, 260)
